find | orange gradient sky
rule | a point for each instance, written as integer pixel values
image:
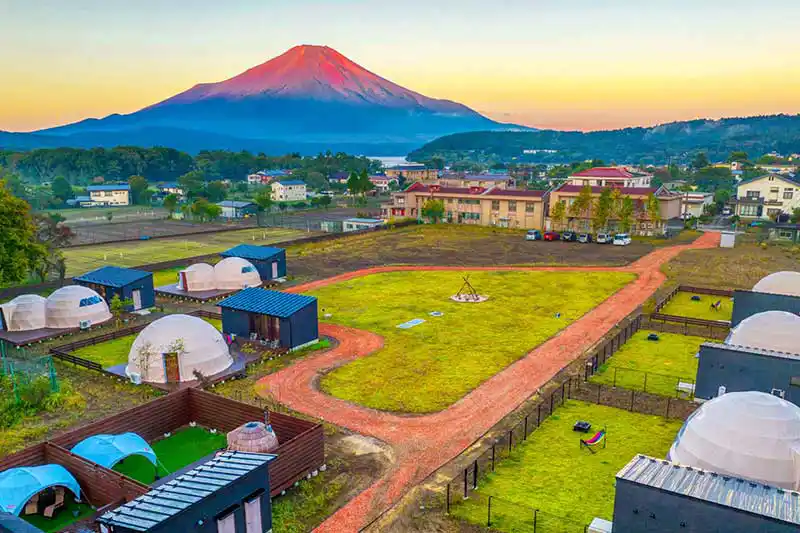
(568, 64)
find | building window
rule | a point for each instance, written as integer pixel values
(530, 207)
(495, 205)
(795, 381)
(786, 234)
(512, 206)
(449, 200)
(753, 194)
(774, 190)
(749, 210)
(788, 194)
(772, 213)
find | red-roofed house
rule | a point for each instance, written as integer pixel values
(609, 177)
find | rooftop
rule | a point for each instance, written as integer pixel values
(604, 172)
(113, 276)
(252, 251)
(173, 497)
(408, 167)
(487, 177)
(747, 496)
(753, 350)
(235, 204)
(492, 191)
(782, 177)
(113, 187)
(292, 182)
(365, 220)
(643, 191)
(266, 302)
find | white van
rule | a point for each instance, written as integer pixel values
(622, 239)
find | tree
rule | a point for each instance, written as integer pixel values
(558, 213)
(354, 184)
(737, 156)
(700, 160)
(626, 214)
(192, 183)
(433, 210)
(582, 205)
(138, 186)
(795, 218)
(364, 183)
(117, 306)
(264, 200)
(14, 183)
(653, 210)
(216, 191)
(20, 252)
(171, 204)
(603, 210)
(109, 215)
(61, 189)
(325, 201)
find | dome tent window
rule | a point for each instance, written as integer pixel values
(92, 300)
(246, 269)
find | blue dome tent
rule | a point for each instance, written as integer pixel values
(108, 450)
(18, 485)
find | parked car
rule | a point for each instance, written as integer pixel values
(551, 236)
(622, 239)
(533, 235)
(585, 237)
(604, 238)
(726, 211)
(569, 236)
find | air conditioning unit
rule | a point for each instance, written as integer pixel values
(85, 324)
(136, 378)
(599, 525)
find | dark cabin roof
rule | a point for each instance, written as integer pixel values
(253, 252)
(113, 276)
(172, 498)
(727, 491)
(15, 524)
(266, 302)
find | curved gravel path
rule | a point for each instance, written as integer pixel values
(423, 443)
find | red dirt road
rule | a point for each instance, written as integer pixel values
(424, 443)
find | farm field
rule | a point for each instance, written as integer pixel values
(135, 253)
(666, 361)
(430, 366)
(550, 472)
(682, 305)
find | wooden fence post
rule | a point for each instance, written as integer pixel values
(493, 453)
(475, 475)
(489, 514)
(615, 377)
(465, 483)
(551, 403)
(535, 516)
(447, 503)
(525, 429)
(539, 415)
(666, 415)
(510, 439)
(632, 393)
(645, 381)
(563, 392)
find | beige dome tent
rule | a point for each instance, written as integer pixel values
(786, 282)
(771, 330)
(74, 306)
(253, 437)
(233, 273)
(177, 345)
(197, 277)
(752, 435)
(24, 313)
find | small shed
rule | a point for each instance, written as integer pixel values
(228, 494)
(727, 239)
(355, 224)
(109, 281)
(283, 319)
(237, 209)
(270, 262)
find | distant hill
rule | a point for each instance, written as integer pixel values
(676, 141)
(308, 99)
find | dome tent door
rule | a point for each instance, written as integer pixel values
(172, 370)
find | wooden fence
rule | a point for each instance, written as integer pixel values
(694, 290)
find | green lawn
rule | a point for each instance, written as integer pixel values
(683, 305)
(666, 360)
(69, 514)
(550, 471)
(183, 448)
(432, 365)
(166, 277)
(115, 352)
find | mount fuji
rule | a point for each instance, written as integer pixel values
(308, 99)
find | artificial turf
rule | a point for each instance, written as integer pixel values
(666, 361)
(551, 472)
(682, 305)
(182, 448)
(430, 366)
(69, 514)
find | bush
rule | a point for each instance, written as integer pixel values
(299, 205)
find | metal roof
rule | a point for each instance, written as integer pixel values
(266, 302)
(117, 187)
(752, 350)
(113, 276)
(292, 182)
(15, 524)
(172, 498)
(253, 252)
(741, 494)
(365, 220)
(782, 177)
(234, 204)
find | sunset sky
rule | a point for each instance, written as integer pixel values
(564, 64)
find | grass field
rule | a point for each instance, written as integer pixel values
(551, 473)
(99, 213)
(182, 448)
(115, 352)
(665, 360)
(69, 514)
(131, 254)
(682, 305)
(432, 365)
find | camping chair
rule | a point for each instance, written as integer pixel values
(50, 510)
(32, 507)
(717, 305)
(590, 444)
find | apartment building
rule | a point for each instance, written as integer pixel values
(494, 206)
(500, 181)
(412, 173)
(767, 196)
(288, 191)
(610, 177)
(109, 195)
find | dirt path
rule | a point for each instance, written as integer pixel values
(424, 443)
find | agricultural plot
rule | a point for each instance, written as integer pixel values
(429, 366)
(135, 253)
(652, 366)
(682, 304)
(552, 473)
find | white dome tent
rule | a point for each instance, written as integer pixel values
(752, 435)
(196, 345)
(233, 273)
(197, 277)
(74, 305)
(771, 330)
(786, 283)
(24, 313)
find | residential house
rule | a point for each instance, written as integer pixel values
(767, 196)
(356, 224)
(610, 177)
(776, 168)
(785, 232)
(339, 177)
(493, 206)
(382, 183)
(167, 188)
(237, 209)
(109, 195)
(288, 191)
(412, 173)
(693, 204)
(264, 177)
(670, 205)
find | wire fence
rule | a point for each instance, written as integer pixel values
(24, 374)
(644, 381)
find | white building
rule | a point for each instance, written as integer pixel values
(355, 224)
(767, 196)
(237, 209)
(694, 203)
(288, 191)
(109, 195)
